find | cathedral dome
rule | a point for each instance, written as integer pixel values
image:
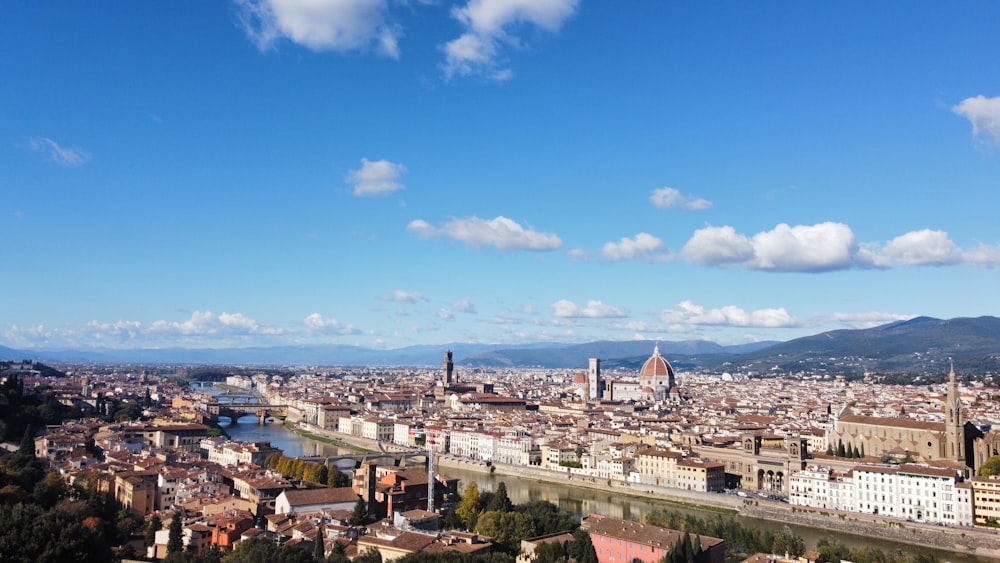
(657, 372)
(579, 378)
(656, 366)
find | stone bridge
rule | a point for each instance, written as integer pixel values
(348, 462)
(235, 410)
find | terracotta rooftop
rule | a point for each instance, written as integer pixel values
(306, 497)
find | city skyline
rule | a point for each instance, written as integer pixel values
(384, 174)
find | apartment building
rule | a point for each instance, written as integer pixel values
(623, 541)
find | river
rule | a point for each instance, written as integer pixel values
(577, 501)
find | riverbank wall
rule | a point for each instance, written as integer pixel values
(973, 541)
(978, 542)
(447, 461)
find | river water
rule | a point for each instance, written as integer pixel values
(577, 501)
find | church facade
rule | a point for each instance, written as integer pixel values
(902, 438)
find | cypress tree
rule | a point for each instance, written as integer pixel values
(27, 446)
(358, 516)
(319, 550)
(840, 449)
(154, 525)
(500, 501)
(175, 542)
(687, 551)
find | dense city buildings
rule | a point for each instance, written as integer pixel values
(818, 442)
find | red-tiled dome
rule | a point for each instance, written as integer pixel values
(656, 366)
(580, 378)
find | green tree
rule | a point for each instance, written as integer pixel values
(990, 467)
(319, 550)
(500, 501)
(787, 542)
(27, 446)
(320, 474)
(547, 518)
(833, 550)
(551, 552)
(841, 452)
(370, 556)
(582, 547)
(506, 528)
(337, 478)
(262, 550)
(359, 514)
(153, 525)
(30, 533)
(50, 490)
(175, 541)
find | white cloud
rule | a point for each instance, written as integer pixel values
(666, 198)
(868, 320)
(320, 25)
(464, 306)
(29, 335)
(688, 313)
(577, 254)
(593, 310)
(489, 24)
(400, 296)
(982, 255)
(379, 177)
(984, 114)
(316, 323)
(445, 314)
(201, 328)
(500, 232)
(717, 246)
(828, 246)
(802, 248)
(113, 332)
(65, 156)
(926, 247)
(923, 247)
(643, 247)
(636, 326)
(206, 323)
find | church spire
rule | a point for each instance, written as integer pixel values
(954, 424)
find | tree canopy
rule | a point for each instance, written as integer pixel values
(990, 467)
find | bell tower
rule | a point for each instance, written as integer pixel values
(954, 422)
(595, 383)
(449, 369)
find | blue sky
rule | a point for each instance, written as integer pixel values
(391, 172)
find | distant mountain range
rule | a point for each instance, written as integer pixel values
(922, 344)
